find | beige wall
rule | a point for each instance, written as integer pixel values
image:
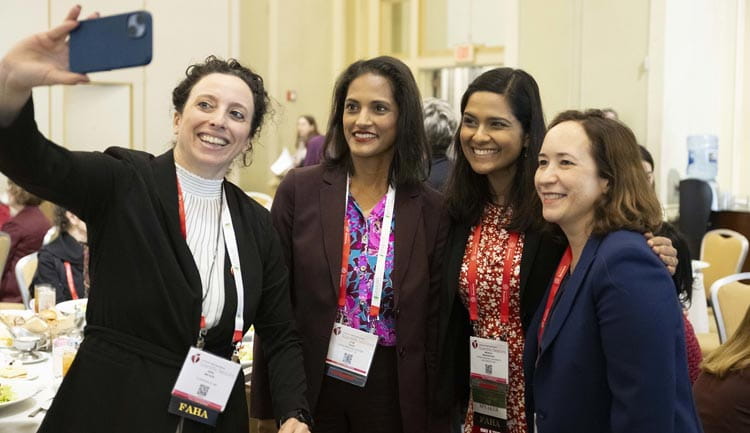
(291, 44)
(741, 178)
(588, 54)
(644, 58)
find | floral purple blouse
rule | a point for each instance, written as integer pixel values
(365, 239)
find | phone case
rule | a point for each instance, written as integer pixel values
(113, 42)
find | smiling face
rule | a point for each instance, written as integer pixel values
(370, 118)
(214, 126)
(567, 179)
(491, 137)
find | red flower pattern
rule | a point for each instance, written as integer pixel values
(492, 250)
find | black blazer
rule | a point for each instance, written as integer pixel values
(308, 212)
(145, 298)
(541, 254)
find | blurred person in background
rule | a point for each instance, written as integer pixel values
(440, 124)
(61, 262)
(722, 391)
(4, 208)
(26, 227)
(309, 142)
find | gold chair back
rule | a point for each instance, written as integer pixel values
(731, 299)
(725, 250)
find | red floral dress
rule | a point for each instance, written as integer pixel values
(492, 249)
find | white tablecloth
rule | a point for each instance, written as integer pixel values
(15, 418)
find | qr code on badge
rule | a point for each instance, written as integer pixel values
(203, 390)
(487, 368)
(348, 358)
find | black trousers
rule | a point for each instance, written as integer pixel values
(346, 408)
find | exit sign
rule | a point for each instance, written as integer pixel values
(463, 53)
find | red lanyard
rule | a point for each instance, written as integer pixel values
(507, 271)
(378, 275)
(562, 269)
(237, 335)
(71, 283)
(345, 251)
(181, 206)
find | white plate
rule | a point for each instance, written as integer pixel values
(17, 313)
(22, 391)
(69, 307)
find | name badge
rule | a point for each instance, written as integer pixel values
(489, 383)
(203, 386)
(350, 353)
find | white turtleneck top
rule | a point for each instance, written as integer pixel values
(203, 200)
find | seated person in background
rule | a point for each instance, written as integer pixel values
(722, 391)
(4, 213)
(61, 262)
(26, 227)
(440, 123)
(683, 276)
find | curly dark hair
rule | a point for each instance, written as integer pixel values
(215, 65)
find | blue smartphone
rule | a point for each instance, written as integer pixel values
(113, 42)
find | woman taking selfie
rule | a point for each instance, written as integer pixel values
(180, 257)
(605, 351)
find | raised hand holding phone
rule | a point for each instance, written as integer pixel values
(38, 60)
(112, 42)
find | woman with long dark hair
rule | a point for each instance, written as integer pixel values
(363, 238)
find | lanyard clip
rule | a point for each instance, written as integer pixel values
(201, 338)
(236, 352)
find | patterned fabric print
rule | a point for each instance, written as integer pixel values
(492, 249)
(365, 240)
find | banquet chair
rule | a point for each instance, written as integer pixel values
(4, 249)
(25, 270)
(725, 250)
(51, 235)
(264, 199)
(731, 299)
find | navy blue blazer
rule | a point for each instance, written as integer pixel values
(612, 357)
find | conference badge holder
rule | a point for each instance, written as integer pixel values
(350, 353)
(203, 386)
(489, 384)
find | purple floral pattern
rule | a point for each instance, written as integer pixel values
(365, 240)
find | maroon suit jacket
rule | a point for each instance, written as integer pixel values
(26, 230)
(308, 212)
